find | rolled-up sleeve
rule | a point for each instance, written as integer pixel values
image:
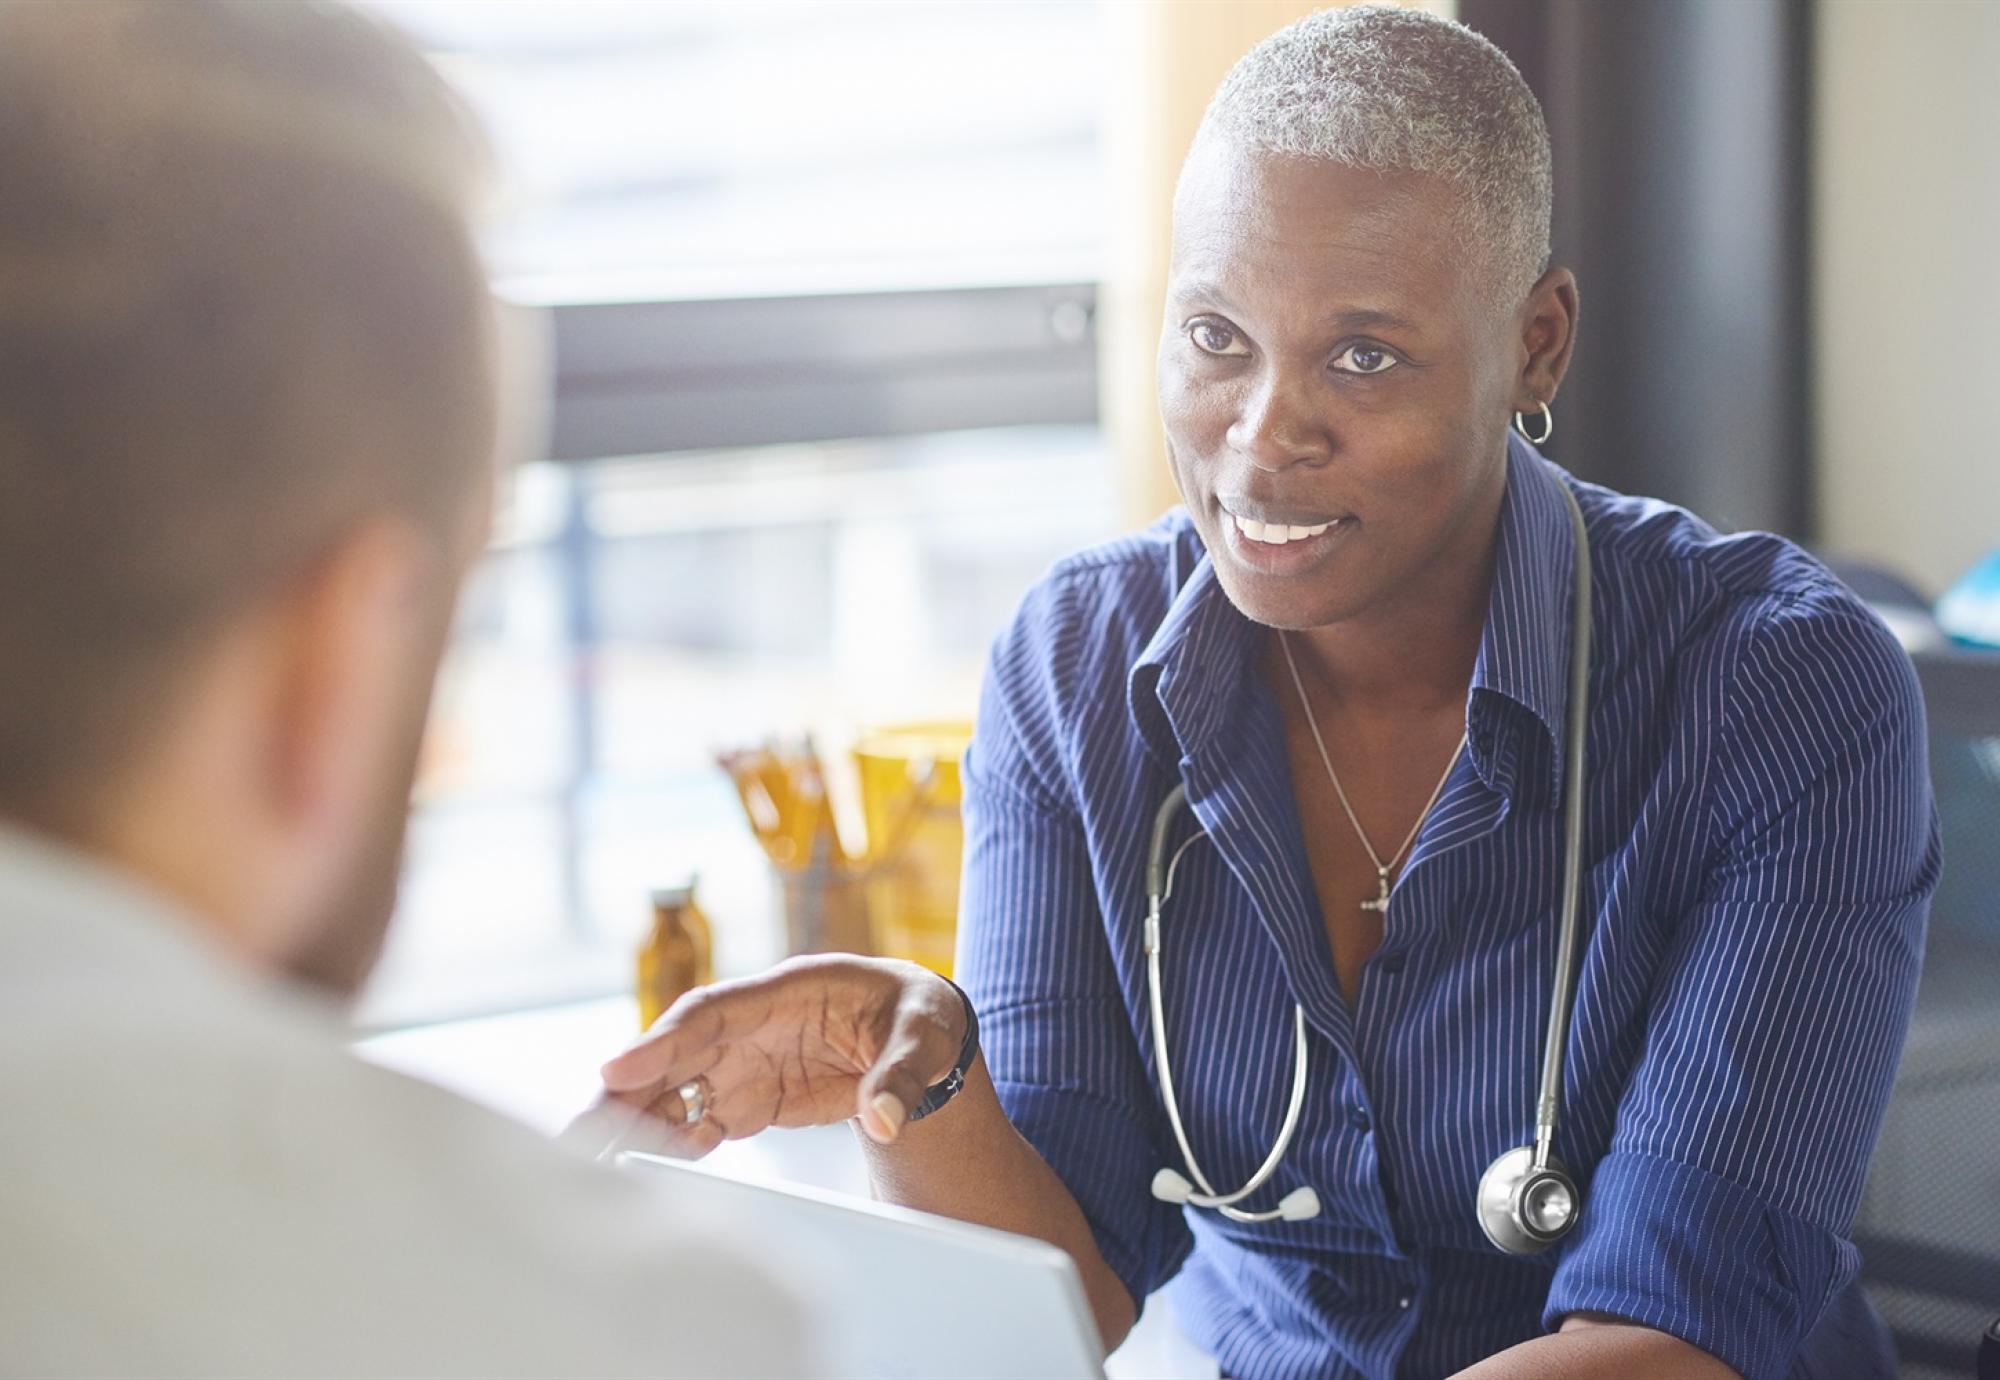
(1033, 957)
(1720, 1213)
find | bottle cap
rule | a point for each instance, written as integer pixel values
(676, 895)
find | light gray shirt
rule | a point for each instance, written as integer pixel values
(198, 1177)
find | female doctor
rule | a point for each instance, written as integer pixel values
(1317, 735)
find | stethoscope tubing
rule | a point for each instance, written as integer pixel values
(1548, 1103)
(1555, 1039)
(1160, 890)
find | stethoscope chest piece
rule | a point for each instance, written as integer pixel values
(1524, 1209)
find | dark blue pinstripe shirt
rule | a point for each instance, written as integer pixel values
(1760, 849)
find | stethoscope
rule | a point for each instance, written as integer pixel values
(1527, 1200)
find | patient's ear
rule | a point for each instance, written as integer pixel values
(352, 629)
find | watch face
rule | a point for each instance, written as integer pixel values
(939, 1093)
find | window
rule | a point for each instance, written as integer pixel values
(723, 147)
(821, 281)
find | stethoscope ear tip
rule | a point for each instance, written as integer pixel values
(1169, 1186)
(1299, 1205)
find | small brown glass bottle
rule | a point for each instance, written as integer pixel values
(677, 956)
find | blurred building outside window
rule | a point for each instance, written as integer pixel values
(637, 612)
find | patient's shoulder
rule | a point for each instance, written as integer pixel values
(226, 1143)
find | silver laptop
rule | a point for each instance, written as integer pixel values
(909, 1294)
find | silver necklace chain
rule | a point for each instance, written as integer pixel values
(1382, 869)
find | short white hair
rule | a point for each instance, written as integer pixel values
(1397, 90)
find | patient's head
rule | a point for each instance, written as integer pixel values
(246, 449)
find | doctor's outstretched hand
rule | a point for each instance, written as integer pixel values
(837, 1037)
(817, 1039)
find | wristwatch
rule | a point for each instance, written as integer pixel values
(946, 1088)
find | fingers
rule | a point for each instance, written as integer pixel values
(675, 1122)
(889, 1092)
(598, 1128)
(920, 1050)
(681, 1044)
(682, 1123)
(683, 1041)
(789, 1046)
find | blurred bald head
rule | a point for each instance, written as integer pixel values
(241, 313)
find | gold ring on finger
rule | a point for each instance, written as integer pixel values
(694, 1103)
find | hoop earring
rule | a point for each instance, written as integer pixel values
(1548, 427)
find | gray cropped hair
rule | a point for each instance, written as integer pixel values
(1398, 90)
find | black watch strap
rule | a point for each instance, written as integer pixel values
(946, 1088)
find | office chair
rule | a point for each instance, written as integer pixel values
(1929, 1224)
(1876, 585)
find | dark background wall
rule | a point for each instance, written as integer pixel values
(1680, 136)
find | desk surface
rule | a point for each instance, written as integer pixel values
(540, 1067)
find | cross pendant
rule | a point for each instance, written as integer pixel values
(1380, 903)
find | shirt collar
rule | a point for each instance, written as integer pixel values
(1195, 667)
(62, 908)
(1192, 676)
(1523, 663)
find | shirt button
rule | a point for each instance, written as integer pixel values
(1357, 1117)
(1391, 964)
(1403, 1300)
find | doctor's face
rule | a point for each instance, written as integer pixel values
(1334, 365)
